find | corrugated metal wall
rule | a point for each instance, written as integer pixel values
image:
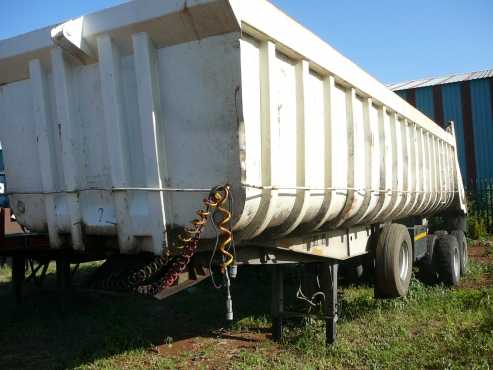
(452, 111)
(470, 105)
(483, 127)
(424, 100)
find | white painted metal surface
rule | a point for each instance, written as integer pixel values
(118, 125)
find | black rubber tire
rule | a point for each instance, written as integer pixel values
(378, 291)
(359, 269)
(440, 233)
(457, 223)
(353, 270)
(369, 259)
(427, 267)
(388, 282)
(447, 250)
(464, 253)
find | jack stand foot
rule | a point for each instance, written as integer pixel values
(277, 302)
(63, 273)
(277, 325)
(18, 276)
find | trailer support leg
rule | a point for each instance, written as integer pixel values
(309, 279)
(277, 301)
(329, 273)
(18, 275)
(63, 273)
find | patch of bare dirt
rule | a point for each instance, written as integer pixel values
(484, 280)
(479, 251)
(175, 349)
(216, 351)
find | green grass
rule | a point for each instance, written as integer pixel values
(433, 327)
(5, 273)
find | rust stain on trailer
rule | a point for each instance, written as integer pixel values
(188, 15)
(11, 227)
(317, 250)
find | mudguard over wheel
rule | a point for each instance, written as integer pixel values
(447, 261)
(394, 261)
(464, 254)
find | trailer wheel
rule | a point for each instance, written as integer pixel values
(448, 260)
(353, 270)
(464, 254)
(394, 262)
(427, 267)
(359, 269)
(440, 233)
(457, 223)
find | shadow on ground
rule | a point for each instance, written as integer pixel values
(53, 330)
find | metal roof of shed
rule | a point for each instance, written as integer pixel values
(414, 84)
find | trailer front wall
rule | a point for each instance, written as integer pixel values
(155, 118)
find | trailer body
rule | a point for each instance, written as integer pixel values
(116, 125)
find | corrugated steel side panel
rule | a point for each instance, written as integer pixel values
(483, 127)
(452, 111)
(2, 166)
(408, 95)
(465, 91)
(424, 101)
(469, 103)
(402, 94)
(438, 105)
(411, 97)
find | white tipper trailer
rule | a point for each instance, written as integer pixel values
(115, 125)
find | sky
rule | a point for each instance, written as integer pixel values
(392, 40)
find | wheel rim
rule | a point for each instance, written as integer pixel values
(464, 253)
(403, 261)
(456, 262)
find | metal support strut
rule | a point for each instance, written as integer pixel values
(277, 301)
(328, 277)
(63, 273)
(18, 275)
